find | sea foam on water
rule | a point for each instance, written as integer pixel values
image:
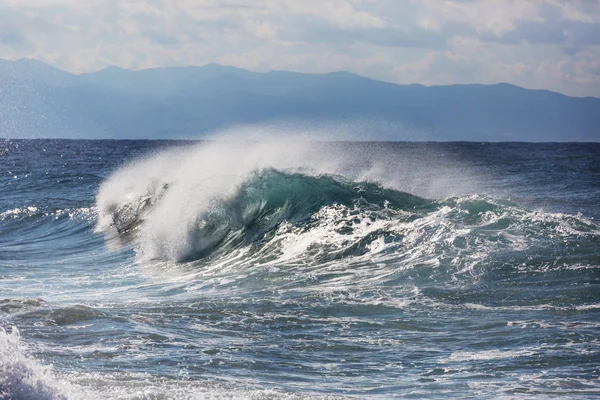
(22, 377)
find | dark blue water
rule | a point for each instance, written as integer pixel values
(151, 270)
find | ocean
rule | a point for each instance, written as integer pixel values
(291, 269)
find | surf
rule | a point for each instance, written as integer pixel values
(270, 204)
(181, 204)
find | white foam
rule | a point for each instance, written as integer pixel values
(125, 386)
(487, 355)
(24, 378)
(18, 212)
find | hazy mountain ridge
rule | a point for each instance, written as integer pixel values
(37, 100)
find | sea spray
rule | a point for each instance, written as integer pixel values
(176, 192)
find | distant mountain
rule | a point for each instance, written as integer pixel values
(37, 100)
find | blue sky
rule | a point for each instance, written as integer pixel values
(545, 44)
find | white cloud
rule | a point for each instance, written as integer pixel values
(552, 44)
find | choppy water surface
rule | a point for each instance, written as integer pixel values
(293, 270)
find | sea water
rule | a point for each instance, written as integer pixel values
(296, 269)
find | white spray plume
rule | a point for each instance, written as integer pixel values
(201, 176)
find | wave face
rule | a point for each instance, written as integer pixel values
(255, 213)
(185, 205)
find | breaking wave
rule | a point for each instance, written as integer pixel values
(223, 202)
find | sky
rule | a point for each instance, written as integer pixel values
(539, 44)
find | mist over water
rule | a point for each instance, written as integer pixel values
(299, 269)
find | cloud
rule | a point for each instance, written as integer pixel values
(552, 44)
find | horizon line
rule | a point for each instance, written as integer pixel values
(300, 140)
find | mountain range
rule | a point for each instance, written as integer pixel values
(40, 101)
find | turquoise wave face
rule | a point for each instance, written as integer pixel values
(256, 208)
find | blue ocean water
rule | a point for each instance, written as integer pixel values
(294, 270)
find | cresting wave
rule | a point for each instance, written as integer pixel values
(263, 204)
(184, 204)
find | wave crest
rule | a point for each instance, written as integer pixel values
(247, 214)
